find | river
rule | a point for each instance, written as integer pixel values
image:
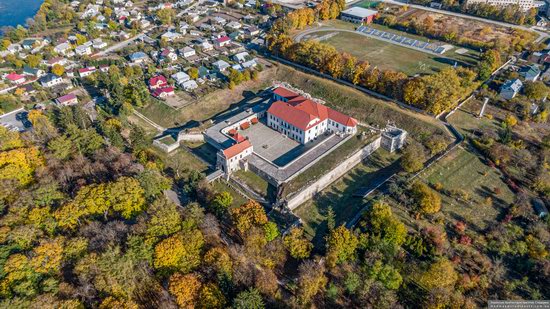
(16, 12)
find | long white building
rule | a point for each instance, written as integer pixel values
(523, 4)
(303, 119)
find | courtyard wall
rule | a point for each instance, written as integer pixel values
(339, 171)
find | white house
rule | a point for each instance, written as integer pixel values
(180, 77)
(240, 57)
(50, 80)
(84, 72)
(188, 52)
(62, 48)
(171, 36)
(206, 46)
(189, 85)
(83, 50)
(510, 88)
(99, 44)
(303, 120)
(222, 41)
(221, 65)
(229, 159)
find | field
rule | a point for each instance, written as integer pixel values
(387, 55)
(467, 184)
(221, 186)
(339, 195)
(253, 181)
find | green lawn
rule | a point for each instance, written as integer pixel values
(254, 182)
(463, 170)
(339, 194)
(367, 4)
(221, 186)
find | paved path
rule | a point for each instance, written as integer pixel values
(542, 35)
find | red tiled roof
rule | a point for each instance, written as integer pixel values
(84, 70)
(154, 81)
(223, 39)
(341, 118)
(14, 76)
(254, 120)
(299, 111)
(239, 138)
(245, 125)
(232, 132)
(285, 93)
(66, 98)
(236, 149)
(290, 114)
(160, 91)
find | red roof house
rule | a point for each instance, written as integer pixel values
(236, 149)
(222, 41)
(16, 78)
(158, 82)
(163, 92)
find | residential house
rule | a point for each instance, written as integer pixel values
(540, 209)
(83, 50)
(241, 57)
(223, 41)
(171, 36)
(206, 46)
(303, 120)
(16, 79)
(180, 77)
(510, 88)
(67, 100)
(138, 57)
(249, 64)
(168, 54)
(33, 72)
(62, 48)
(530, 72)
(99, 44)
(50, 80)
(14, 48)
(29, 44)
(235, 25)
(188, 52)
(221, 65)
(162, 93)
(57, 60)
(189, 85)
(84, 72)
(252, 31)
(157, 82)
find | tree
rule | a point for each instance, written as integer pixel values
(331, 222)
(221, 202)
(47, 257)
(440, 274)
(536, 90)
(164, 218)
(413, 158)
(297, 244)
(428, 200)
(185, 289)
(311, 280)
(382, 225)
(510, 121)
(153, 182)
(220, 261)
(211, 297)
(248, 215)
(180, 252)
(249, 299)
(166, 16)
(271, 231)
(341, 245)
(193, 73)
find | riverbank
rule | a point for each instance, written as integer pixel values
(13, 13)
